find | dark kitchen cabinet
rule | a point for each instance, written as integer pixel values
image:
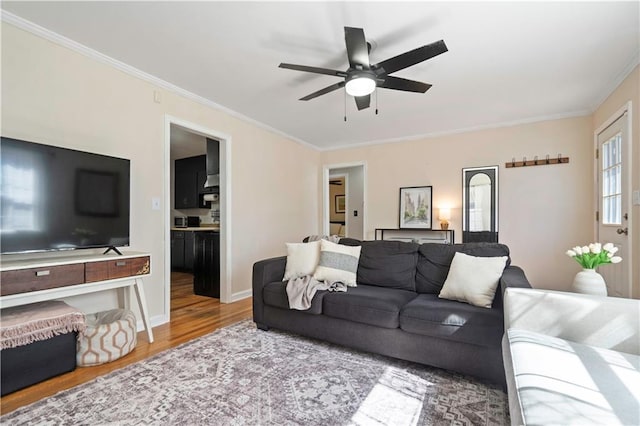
(189, 250)
(182, 250)
(190, 176)
(206, 268)
(177, 250)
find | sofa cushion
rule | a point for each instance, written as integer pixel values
(434, 261)
(302, 259)
(389, 264)
(275, 294)
(555, 381)
(447, 319)
(338, 263)
(367, 304)
(473, 279)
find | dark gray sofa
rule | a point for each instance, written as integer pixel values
(395, 309)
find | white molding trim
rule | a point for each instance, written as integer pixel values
(61, 40)
(241, 295)
(500, 125)
(225, 204)
(617, 81)
(155, 321)
(325, 194)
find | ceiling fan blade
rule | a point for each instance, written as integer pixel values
(363, 102)
(357, 49)
(323, 91)
(412, 57)
(397, 83)
(315, 70)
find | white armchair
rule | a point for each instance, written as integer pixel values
(571, 358)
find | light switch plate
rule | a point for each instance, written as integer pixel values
(155, 203)
(636, 198)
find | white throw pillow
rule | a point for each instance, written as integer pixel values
(338, 263)
(302, 259)
(473, 280)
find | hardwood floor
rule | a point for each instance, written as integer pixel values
(191, 317)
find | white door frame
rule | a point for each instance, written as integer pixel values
(325, 194)
(627, 149)
(225, 206)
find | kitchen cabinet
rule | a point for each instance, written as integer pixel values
(182, 250)
(190, 176)
(177, 250)
(206, 268)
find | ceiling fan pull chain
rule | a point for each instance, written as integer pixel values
(345, 106)
(376, 100)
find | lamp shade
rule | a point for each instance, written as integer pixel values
(445, 214)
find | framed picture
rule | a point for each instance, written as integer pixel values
(415, 207)
(340, 204)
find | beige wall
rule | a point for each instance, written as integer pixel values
(628, 91)
(56, 96)
(542, 210)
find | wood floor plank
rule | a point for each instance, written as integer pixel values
(192, 316)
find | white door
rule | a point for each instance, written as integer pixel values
(613, 199)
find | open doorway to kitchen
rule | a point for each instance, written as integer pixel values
(344, 192)
(197, 194)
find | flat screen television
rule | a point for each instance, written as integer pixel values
(54, 198)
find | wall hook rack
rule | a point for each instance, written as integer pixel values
(536, 161)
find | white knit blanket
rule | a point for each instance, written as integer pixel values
(300, 291)
(22, 325)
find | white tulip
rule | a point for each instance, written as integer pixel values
(585, 249)
(608, 247)
(595, 248)
(571, 253)
(616, 259)
(613, 250)
(578, 250)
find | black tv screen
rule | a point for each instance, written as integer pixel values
(55, 198)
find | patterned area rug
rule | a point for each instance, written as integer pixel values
(239, 375)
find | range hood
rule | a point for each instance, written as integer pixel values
(213, 163)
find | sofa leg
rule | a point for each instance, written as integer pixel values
(262, 326)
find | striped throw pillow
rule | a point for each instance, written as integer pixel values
(338, 263)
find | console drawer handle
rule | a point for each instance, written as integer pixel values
(42, 273)
(121, 263)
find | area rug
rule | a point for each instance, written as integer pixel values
(239, 375)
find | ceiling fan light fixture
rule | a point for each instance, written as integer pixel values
(360, 85)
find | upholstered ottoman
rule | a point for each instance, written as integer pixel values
(37, 342)
(109, 336)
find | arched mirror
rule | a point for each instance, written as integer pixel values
(480, 204)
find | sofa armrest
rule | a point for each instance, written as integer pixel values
(606, 322)
(512, 276)
(264, 272)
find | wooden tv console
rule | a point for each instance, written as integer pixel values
(35, 280)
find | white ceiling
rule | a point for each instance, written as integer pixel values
(508, 62)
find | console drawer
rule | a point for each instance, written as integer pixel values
(121, 268)
(34, 279)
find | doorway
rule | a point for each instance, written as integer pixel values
(613, 171)
(193, 132)
(344, 193)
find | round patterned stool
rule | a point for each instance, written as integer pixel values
(109, 336)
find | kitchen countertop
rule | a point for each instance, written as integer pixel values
(206, 227)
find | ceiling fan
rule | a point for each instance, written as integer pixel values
(362, 77)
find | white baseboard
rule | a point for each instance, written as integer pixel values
(155, 321)
(241, 295)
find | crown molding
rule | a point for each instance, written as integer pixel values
(499, 125)
(617, 81)
(63, 41)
